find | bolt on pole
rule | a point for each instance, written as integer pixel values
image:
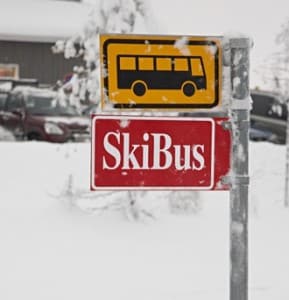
(240, 109)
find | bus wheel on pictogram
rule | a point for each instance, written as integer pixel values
(188, 88)
(139, 88)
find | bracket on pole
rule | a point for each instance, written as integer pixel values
(230, 180)
(244, 104)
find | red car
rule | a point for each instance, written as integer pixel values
(35, 114)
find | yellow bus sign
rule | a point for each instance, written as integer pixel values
(160, 71)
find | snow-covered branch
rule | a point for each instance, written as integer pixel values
(109, 16)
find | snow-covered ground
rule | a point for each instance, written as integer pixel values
(54, 247)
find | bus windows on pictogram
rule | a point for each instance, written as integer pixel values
(142, 73)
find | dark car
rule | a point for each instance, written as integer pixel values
(35, 114)
(12, 83)
(269, 116)
(259, 135)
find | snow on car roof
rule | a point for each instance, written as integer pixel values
(34, 90)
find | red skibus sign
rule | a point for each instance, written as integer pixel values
(168, 153)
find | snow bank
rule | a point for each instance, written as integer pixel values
(52, 250)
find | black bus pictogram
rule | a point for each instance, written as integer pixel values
(144, 72)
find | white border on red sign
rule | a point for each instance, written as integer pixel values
(121, 188)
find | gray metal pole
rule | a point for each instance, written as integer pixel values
(286, 200)
(240, 108)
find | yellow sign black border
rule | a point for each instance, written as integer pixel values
(206, 42)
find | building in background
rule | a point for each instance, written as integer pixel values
(35, 60)
(29, 29)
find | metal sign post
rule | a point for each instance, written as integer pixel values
(240, 107)
(286, 198)
(156, 72)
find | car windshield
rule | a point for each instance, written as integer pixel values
(48, 105)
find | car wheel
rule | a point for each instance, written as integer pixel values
(33, 136)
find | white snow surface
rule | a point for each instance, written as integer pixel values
(45, 21)
(54, 247)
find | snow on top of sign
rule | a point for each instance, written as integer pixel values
(124, 123)
(213, 49)
(181, 44)
(48, 21)
(149, 48)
